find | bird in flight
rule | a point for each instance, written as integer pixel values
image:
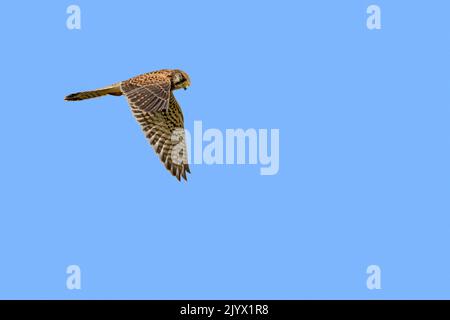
(150, 96)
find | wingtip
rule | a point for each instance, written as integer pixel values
(180, 173)
(71, 97)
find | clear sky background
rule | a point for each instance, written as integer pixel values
(364, 151)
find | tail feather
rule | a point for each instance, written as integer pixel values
(112, 90)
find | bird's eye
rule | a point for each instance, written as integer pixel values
(178, 78)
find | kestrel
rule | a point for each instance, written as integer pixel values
(154, 106)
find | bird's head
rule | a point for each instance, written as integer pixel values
(180, 80)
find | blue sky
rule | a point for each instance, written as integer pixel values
(364, 151)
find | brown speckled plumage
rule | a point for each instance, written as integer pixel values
(154, 106)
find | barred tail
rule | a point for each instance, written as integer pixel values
(112, 90)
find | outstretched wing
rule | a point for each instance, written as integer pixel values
(149, 92)
(165, 131)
